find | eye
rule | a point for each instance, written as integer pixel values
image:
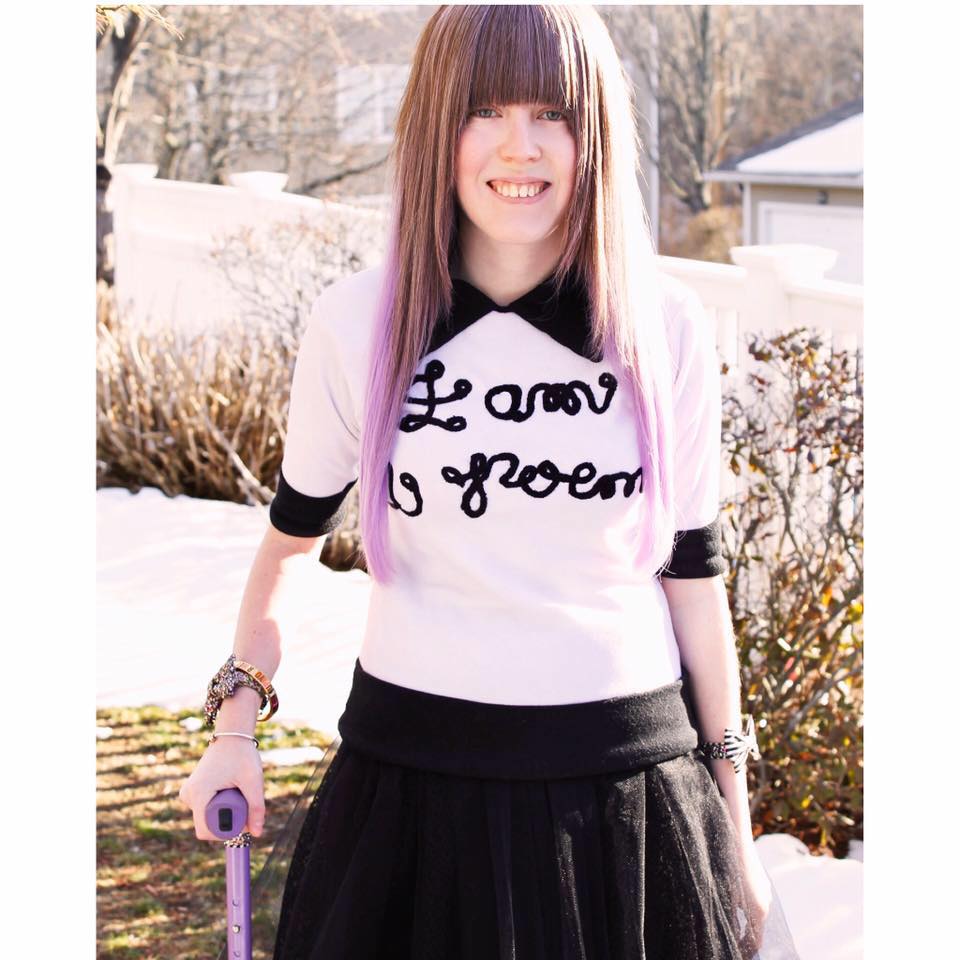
(560, 114)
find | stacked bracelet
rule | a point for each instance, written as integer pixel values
(225, 682)
(735, 746)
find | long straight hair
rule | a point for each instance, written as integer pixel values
(471, 56)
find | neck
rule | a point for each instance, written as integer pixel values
(504, 271)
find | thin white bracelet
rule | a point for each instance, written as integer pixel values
(229, 733)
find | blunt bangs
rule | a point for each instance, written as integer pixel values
(524, 55)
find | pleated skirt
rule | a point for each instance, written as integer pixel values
(449, 829)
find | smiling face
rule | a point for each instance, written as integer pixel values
(519, 148)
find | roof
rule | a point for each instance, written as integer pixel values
(824, 151)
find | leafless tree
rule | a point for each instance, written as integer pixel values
(810, 59)
(264, 85)
(724, 78)
(123, 28)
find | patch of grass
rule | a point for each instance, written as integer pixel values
(119, 947)
(108, 845)
(160, 890)
(146, 906)
(149, 830)
(294, 775)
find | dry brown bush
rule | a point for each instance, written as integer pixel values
(710, 234)
(198, 415)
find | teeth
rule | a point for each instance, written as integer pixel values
(515, 190)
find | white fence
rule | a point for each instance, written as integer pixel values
(772, 289)
(164, 231)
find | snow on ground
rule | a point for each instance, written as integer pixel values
(170, 577)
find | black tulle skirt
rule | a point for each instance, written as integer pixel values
(441, 828)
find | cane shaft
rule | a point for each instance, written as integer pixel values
(239, 938)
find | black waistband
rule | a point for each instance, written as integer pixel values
(507, 741)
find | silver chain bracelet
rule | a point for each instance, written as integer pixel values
(230, 733)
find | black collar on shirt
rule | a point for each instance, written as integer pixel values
(564, 317)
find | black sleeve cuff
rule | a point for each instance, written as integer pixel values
(697, 553)
(298, 515)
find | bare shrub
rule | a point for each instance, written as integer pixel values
(276, 271)
(794, 540)
(201, 416)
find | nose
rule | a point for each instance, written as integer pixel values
(519, 138)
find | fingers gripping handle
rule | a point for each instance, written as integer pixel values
(225, 816)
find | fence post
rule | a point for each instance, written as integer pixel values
(120, 201)
(770, 269)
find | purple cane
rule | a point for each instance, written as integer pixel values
(225, 816)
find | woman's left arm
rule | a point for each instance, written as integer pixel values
(704, 630)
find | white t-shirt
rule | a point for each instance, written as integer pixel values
(515, 491)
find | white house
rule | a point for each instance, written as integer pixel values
(806, 186)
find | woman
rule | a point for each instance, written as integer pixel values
(534, 411)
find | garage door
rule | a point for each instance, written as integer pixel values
(837, 227)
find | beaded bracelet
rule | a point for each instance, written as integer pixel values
(229, 678)
(735, 746)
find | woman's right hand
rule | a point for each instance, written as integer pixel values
(227, 762)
